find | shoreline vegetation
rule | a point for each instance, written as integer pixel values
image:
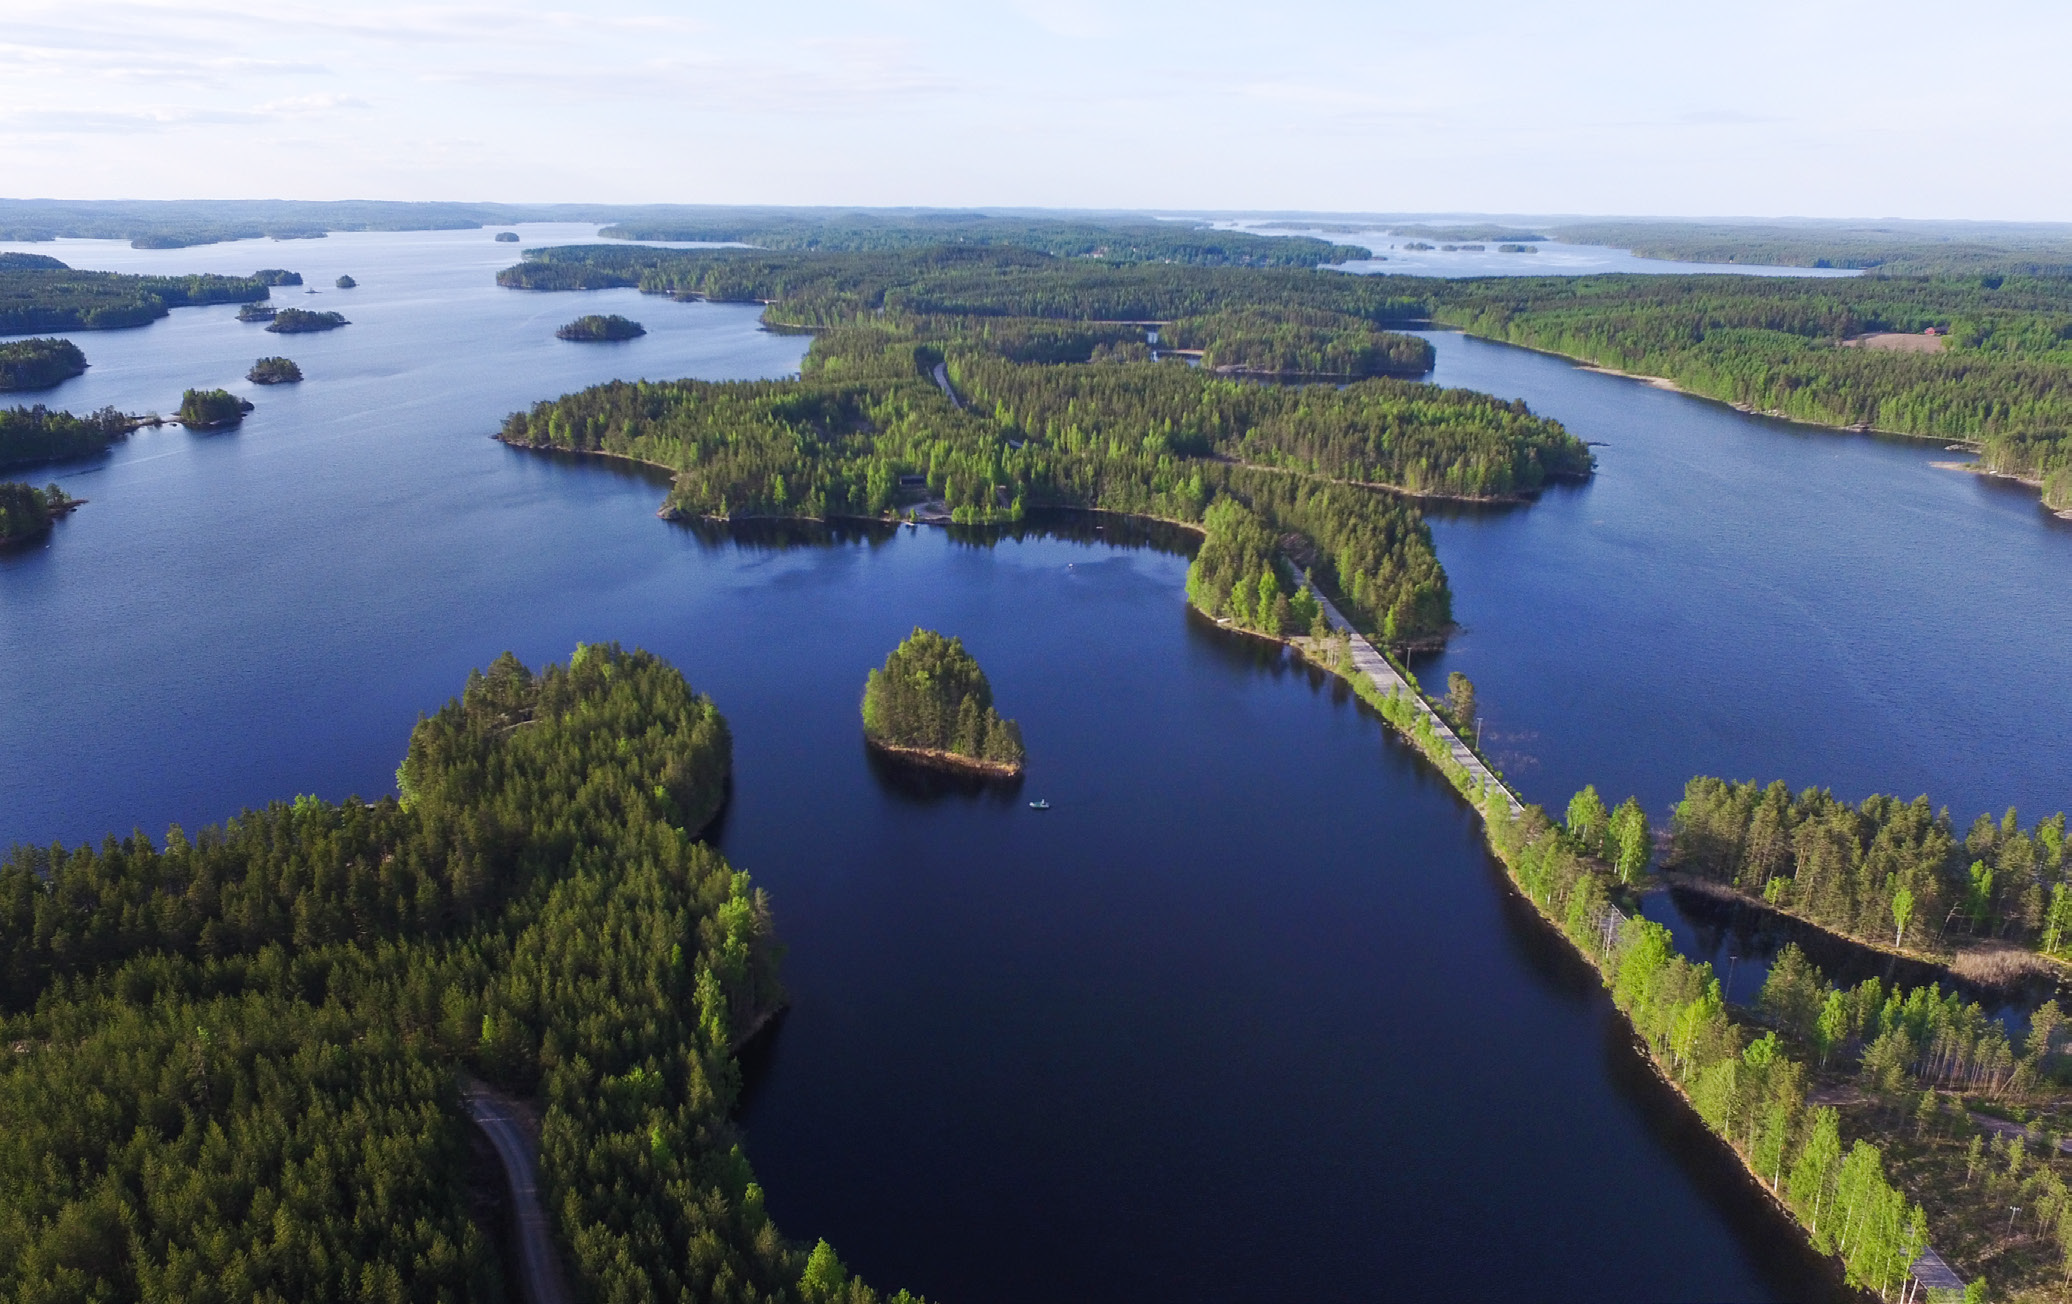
(274, 371)
(1861, 1115)
(535, 910)
(33, 435)
(40, 294)
(27, 512)
(1056, 391)
(1999, 378)
(930, 703)
(211, 409)
(1888, 874)
(39, 363)
(299, 321)
(600, 327)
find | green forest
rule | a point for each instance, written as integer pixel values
(299, 321)
(596, 327)
(931, 697)
(1891, 872)
(29, 435)
(26, 511)
(238, 1054)
(46, 295)
(1898, 248)
(1122, 239)
(206, 409)
(2001, 377)
(1049, 398)
(39, 363)
(274, 371)
(1298, 342)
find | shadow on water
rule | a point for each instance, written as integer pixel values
(1741, 940)
(922, 784)
(1775, 1247)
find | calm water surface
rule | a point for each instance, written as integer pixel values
(1247, 1015)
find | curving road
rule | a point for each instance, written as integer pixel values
(539, 1262)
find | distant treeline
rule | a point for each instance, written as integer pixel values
(1120, 239)
(237, 1055)
(1901, 248)
(822, 289)
(2003, 377)
(50, 296)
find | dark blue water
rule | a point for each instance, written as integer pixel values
(1743, 597)
(1247, 1015)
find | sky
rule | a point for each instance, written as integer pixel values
(1760, 108)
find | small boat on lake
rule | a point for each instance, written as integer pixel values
(1039, 804)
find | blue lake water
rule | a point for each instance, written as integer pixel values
(1249, 1014)
(1549, 257)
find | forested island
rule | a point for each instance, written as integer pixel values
(298, 321)
(39, 363)
(345, 283)
(257, 312)
(29, 435)
(1123, 239)
(274, 371)
(535, 910)
(42, 294)
(595, 327)
(931, 702)
(26, 511)
(507, 237)
(211, 409)
(1059, 406)
(271, 276)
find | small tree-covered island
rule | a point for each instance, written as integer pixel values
(932, 703)
(299, 321)
(211, 409)
(596, 327)
(39, 363)
(274, 371)
(26, 511)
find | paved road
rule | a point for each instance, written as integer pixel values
(537, 1258)
(1377, 668)
(942, 378)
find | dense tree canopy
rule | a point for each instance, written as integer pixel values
(39, 363)
(931, 696)
(1886, 871)
(204, 409)
(274, 371)
(26, 511)
(237, 1053)
(57, 298)
(596, 327)
(296, 321)
(1048, 397)
(29, 435)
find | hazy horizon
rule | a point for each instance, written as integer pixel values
(1824, 112)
